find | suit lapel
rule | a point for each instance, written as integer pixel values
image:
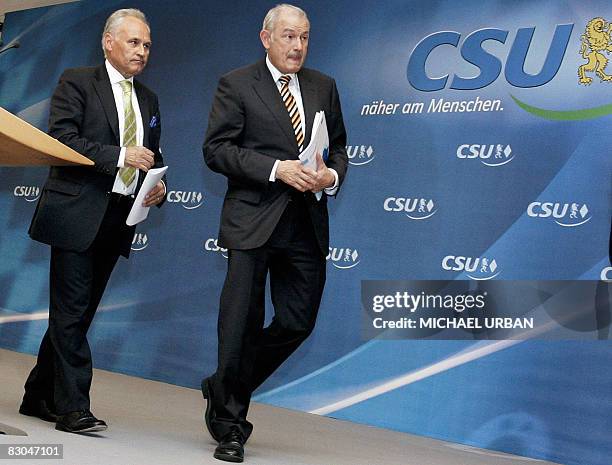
(143, 103)
(309, 100)
(103, 88)
(266, 89)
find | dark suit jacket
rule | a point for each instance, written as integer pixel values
(248, 129)
(83, 116)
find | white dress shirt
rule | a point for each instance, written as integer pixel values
(294, 88)
(115, 78)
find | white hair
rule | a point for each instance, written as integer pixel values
(270, 19)
(116, 18)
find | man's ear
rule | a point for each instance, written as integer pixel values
(108, 41)
(265, 38)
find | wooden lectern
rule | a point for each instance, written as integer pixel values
(21, 144)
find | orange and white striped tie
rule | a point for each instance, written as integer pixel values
(292, 108)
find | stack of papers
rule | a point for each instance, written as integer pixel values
(319, 143)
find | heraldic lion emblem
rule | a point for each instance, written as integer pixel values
(595, 41)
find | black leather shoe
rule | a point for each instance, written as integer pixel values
(37, 408)
(231, 447)
(209, 414)
(82, 421)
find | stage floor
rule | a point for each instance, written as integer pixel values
(155, 423)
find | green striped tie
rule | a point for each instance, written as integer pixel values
(128, 174)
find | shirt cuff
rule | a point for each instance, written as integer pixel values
(121, 161)
(272, 177)
(333, 189)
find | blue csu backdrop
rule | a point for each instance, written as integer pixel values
(432, 192)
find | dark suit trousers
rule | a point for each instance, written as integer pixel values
(248, 352)
(63, 372)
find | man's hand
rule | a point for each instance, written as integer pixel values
(323, 177)
(139, 157)
(155, 195)
(292, 172)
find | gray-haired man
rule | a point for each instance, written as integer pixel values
(274, 220)
(104, 114)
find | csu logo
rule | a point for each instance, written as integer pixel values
(606, 274)
(343, 258)
(489, 155)
(415, 209)
(29, 193)
(473, 51)
(360, 154)
(212, 246)
(479, 269)
(594, 43)
(140, 242)
(189, 200)
(568, 215)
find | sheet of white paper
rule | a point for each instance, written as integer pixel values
(319, 143)
(308, 156)
(139, 213)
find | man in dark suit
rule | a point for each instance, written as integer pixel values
(104, 114)
(274, 219)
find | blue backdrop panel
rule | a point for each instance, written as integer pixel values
(518, 189)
